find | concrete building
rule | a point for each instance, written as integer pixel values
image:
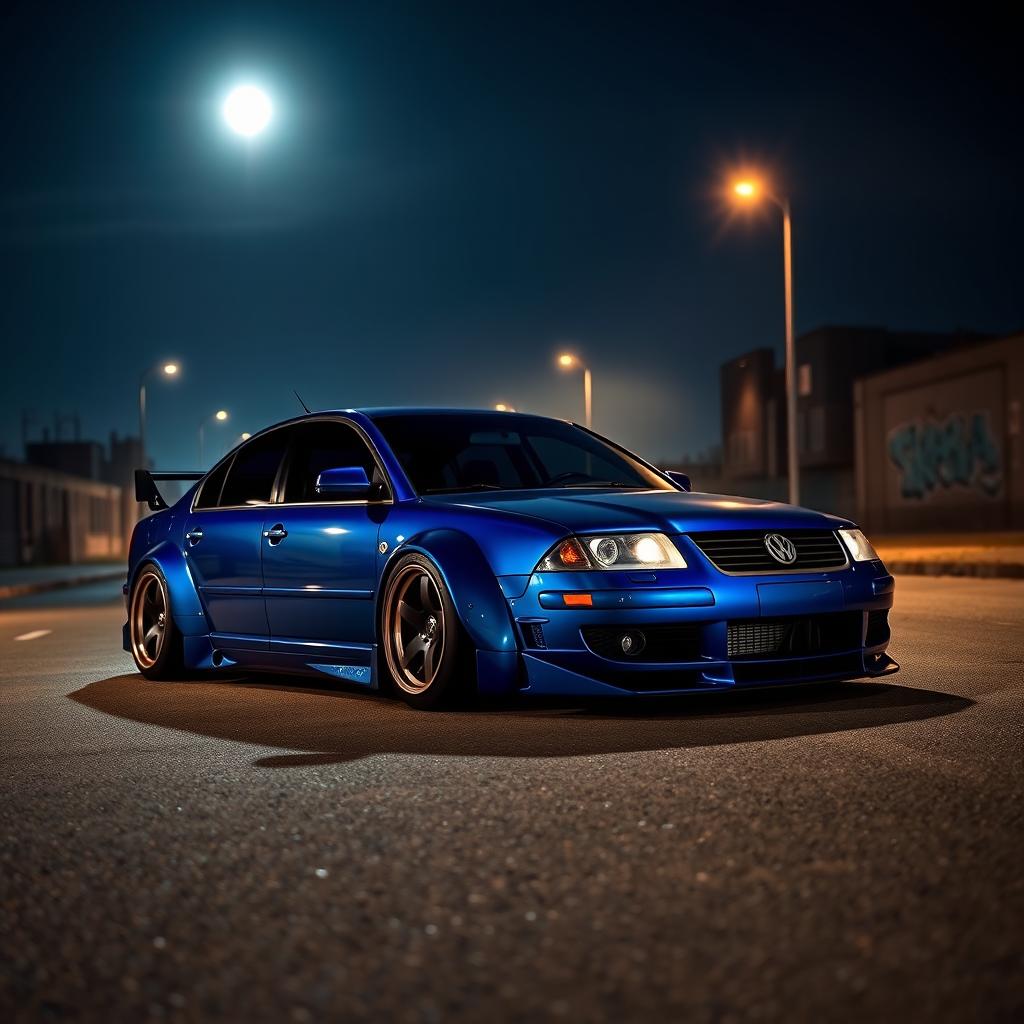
(69, 502)
(829, 360)
(84, 459)
(753, 416)
(51, 517)
(938, 442)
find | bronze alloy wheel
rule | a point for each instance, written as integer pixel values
(414, 629)
(149, 619)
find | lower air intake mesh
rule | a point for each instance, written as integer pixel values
(795, 637)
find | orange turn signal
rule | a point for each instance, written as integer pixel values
(571, 555)
(578, 600)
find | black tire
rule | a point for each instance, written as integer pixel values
(425, 653)
(156, 644)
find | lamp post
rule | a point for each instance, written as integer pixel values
(168, 370)
(750, 190)
(569, 361)
(219, 416)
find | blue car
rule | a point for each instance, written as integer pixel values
(434, 553)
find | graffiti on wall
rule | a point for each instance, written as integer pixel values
(959, 451)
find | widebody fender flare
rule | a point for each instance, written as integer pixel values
(474, 588)
(186, 606)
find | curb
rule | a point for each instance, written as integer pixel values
(41, 586)
(986, 570)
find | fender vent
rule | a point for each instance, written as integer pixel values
(533, 635)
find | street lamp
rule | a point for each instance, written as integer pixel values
(750, 190)
(219, 416)
(168, 370)
(569, 361)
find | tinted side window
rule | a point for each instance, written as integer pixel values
(209, 490)
(320, 446)
(251, 477)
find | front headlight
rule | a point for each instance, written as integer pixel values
(613, 551)
(858, 545)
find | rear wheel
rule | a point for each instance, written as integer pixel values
(155, 642)
(421, 634)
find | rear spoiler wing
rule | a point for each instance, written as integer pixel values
(146, 489)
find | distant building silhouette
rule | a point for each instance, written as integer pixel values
(70, 501)
(830, 360)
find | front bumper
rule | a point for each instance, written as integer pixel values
(694, 628)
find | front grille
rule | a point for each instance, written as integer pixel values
(745, 551)
(794, 637)
(655, 643)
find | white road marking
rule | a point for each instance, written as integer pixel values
(34, 635)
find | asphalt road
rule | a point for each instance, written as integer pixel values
(261, 850)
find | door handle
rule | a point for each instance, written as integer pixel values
(194, 536)
(276, 533)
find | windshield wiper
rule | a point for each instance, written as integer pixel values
(604, 483)
(464, 487)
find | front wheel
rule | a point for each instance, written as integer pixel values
(421, 636)
(155, 642)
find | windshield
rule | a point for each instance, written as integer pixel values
(449, 452)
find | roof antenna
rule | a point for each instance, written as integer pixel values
(301, 402)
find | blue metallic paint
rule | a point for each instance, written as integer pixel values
(344, 480)
(310, 602)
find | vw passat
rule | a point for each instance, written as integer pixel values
(432, 551)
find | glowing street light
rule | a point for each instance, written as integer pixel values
(219, 416)
(750, 190)
(168, 370)
(570, 361)
(247, 110)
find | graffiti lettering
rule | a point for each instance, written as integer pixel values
(959, 451)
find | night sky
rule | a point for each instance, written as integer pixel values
(451, 193)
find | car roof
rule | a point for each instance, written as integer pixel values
(397, 410)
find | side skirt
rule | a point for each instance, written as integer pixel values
(349, 663)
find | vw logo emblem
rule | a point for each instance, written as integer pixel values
(782, 549)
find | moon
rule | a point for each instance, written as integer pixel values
(247, 110)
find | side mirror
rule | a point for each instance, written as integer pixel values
(679, 478)
(345, 482)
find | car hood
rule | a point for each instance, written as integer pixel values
(594, 511)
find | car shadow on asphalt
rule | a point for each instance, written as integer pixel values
(320, 725)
